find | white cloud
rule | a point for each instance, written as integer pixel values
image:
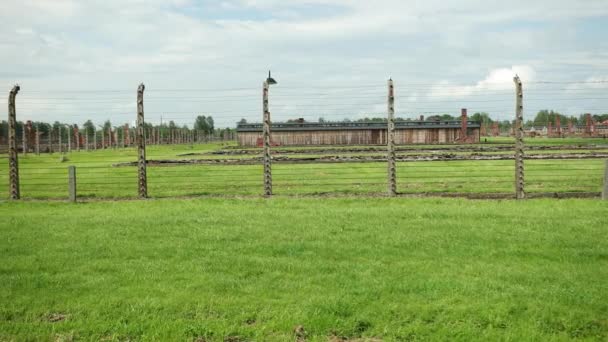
(497, 79)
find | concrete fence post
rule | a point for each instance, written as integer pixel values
(77, 137)
(24, 139)
(266, 137)
(392, 173)
(605, 189)
(49, 140)
(60, 138)
(37, 139)
(72, 183)
(13, 159)
(588, 128)
(70, 139)
(141, 144)
(519, 140)
(126, 135)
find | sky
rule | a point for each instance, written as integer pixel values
(77, 60)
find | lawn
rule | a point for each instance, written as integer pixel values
(342, 268)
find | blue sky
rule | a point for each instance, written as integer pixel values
(77, 60)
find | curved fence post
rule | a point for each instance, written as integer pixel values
(392, 174)
(519, 140)
(37, 140)
(141, 144)
(13, 159)
(266, 137)
(69, 138)
(60, 141)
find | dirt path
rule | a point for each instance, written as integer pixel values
(364, 159)
(439, 148)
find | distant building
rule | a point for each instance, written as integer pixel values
(361, 133)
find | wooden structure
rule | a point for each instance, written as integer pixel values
(360, 133)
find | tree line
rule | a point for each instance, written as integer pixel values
(202, 123)
(546, 116)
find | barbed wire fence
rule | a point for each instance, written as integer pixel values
(137, 160)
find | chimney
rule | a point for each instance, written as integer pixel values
(421, 117)
(125, 133)
(463, 124)
(495, 130)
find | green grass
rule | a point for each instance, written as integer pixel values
(391, 269)
(485, 141)
(549, 141)
(45, 176)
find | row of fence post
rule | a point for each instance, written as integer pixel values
(13, 156)
(111, 140)
(143, 184)
(267, 156)
(391, 156)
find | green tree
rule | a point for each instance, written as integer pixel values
(107, 125)
(482, 117)
(205, 124)
(210, 123)
(3, 132)
(201, 124)
(89, 127)
(543, 117)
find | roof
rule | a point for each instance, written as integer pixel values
(338, 126)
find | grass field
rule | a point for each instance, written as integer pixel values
(45, 176)
(342, 268)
